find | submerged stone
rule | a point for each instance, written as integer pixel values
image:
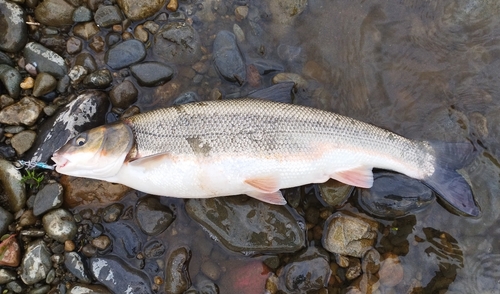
(248, 226)
(228, 59)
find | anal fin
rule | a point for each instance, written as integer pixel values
(360, 177)
(266, 189)
(275, 198)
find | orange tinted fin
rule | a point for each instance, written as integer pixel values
(151, 161)
(275, 198)
(359, 177)
(264, 184)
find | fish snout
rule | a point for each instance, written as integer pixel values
(59, 160)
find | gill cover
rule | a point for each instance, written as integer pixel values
(98, 153)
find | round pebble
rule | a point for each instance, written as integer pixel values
(59, 225)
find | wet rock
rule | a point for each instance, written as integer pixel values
(241, 12)
(24, 112)
(118, 276)
(123, 95)
(14, 33)
(187, 97)
(265, 228)
(391, 270)
(6, 276)
(308, 271)
(125, 54)
(112, 212)
(228, 59)
(153, 217)
(54, 13)
(137, 10)
(16, 287)
(6, 219)
(44, 83)
(141, 34)
(349, 235)
(5, 59)
(77, 74)
(27, 83)
(6, 151)
(101, 242)
(13, 187)
(152, 74)
(75, 265)
(98, 79)
(49, 197)
(11, 79)
(154, 249)
(126, 239)
(211, 269)
(285, 11)
(46, 60)
(23, 141)
(177, 42)
(177, 277)
(86, 60)
(82, 14)
(334, 192)
(59, 225)
(81, 191)
(282, 77)
(247, 279)
(107, 15)
(36, 263)
(10, 252)
(88, 289)
(85, 112)
(394, 195)
(86, 30)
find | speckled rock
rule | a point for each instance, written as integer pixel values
(107, 15)
(59, 225)
(125, 54)
(137, 10)
(98, 79)
(6, 276)
(75, 265)
(14, 189)
(228, 59)
(44, 83)
(152, 74)
(5, 219)
(177, 278)
(49, 197)
(36, 263)
(24, 112)
(82, 14)
(23, 141)
(46, 60)
(14, 32)
(83, 113)
(10, 252)
(123, 95)
(88, 289)
(177, 42)
(54, 13)
(266, 228)
(349, 235)
(334, 192)
(118, 276)
(11, 79)
(152, 216)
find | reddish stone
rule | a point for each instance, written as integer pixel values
(10, 253)
(249, 278)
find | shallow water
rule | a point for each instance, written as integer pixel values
(424, 69)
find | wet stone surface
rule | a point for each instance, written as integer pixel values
(152, 216)
(265, 228)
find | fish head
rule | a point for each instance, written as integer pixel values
(98, 153)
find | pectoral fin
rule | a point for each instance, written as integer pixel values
(360, 177)
(150, 162)
(266, 189)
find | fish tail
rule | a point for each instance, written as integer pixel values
(447, 182)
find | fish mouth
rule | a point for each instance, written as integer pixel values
(60, 161)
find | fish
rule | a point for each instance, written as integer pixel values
(257, 147)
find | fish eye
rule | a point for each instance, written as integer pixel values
(80, 140)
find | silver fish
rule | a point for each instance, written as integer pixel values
(256, 147)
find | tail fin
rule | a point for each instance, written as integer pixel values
(447, 182)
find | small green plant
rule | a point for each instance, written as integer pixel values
(32, 178)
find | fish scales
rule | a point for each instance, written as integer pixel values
(261, 128)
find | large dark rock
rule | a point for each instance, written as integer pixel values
(125, 54)
(14, 32)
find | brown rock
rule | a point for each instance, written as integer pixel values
(24, 112)
(10, 253)
(173, 5)
(27, 83)
(136, 10)
(391, 270)
(44, 83)
(81, 191)
(85, 30)
(54, 13)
